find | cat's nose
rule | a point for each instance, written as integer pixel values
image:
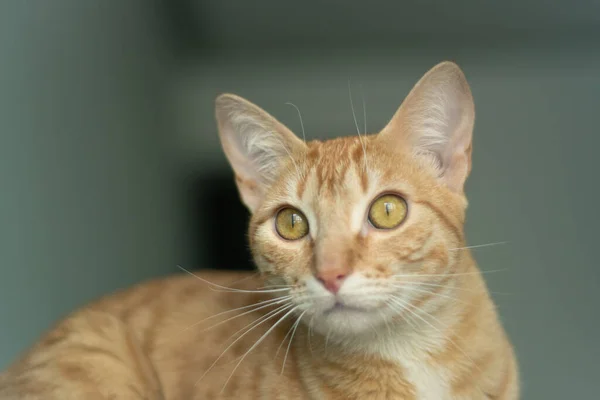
(332, 279)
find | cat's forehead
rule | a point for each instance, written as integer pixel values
(337, 165)
(338, 173)
(342, 149)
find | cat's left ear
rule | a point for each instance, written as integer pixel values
(257, 146)
(435, 122)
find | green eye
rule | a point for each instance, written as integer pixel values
(291, 224)
(388, 211)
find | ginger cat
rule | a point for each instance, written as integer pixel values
(365, 288)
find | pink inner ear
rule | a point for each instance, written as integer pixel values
(255, 144)
(436, 120)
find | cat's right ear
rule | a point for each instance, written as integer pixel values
(435, 121)
(256, 145)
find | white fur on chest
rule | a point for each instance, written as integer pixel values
(411, 354)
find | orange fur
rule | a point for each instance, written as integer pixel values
(412, 319)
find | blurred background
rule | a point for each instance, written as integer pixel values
(111, 171)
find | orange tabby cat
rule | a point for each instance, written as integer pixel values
(366, 290)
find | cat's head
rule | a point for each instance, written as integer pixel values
(360, 229)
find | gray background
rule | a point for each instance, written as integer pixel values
(106, 111)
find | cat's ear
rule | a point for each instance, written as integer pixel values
(436, 122)
(256, 144)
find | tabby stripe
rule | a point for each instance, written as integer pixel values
(455, 229)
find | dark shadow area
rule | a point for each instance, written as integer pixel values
(218, 236)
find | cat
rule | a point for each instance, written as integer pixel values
(365, 287)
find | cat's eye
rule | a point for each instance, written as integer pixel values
(387, 211)
(291, 224)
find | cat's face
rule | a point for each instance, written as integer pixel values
(361, 230)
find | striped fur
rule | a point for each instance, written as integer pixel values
(412, 320)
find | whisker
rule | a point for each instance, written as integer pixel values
(357, 128)
(284, 147)
(252, 325)
(310, 333)
(377, 334)
(478, 246)
(455, 288)
(364, 103)
(274, 287)
(435, 328)
(387, 324)
(289, 103)
(291, 339)
(352, 108)
(257, 322)
(303, 133)
(280, 300)
(401, 310)
(270, 302)
(408, 287)
(228, 289)
(283, 341)
(327, 337)
(450, 273)
(245, 278)
(280, 310)
(249, 291)
(259, 341)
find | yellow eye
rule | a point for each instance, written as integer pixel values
(388, 211)
(291, 224)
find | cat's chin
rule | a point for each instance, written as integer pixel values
(340, 308)
(346, 320)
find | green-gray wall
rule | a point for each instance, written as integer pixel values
(85, 185)
(93, 111)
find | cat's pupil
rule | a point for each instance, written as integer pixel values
(294, 216)
(388, 207)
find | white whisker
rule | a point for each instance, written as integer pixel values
(252, 325)
(303, 133)
(228, 289)
(310, 333)
(284, 147)
(259, 341)
(439, 331)
(280, 310)
(327, 337)
(449, 273)
(250, 291)
(257, 305)
(387, 324)
(289, 332)
(352, 108)
(291, 339)
(285, 299)
(357, 128)
(453, 287)
(364, 103)
(258, 321)
(274, 287)
(405, 317)
(245, 278)
(478, 246)
(289, 103)
(408, 287)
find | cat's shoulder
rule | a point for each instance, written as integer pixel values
(200, 285)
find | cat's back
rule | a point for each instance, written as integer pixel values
(155, 341)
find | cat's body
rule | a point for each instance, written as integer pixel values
(366, 289)
(146, 343)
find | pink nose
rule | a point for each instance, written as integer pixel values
(332, 279)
